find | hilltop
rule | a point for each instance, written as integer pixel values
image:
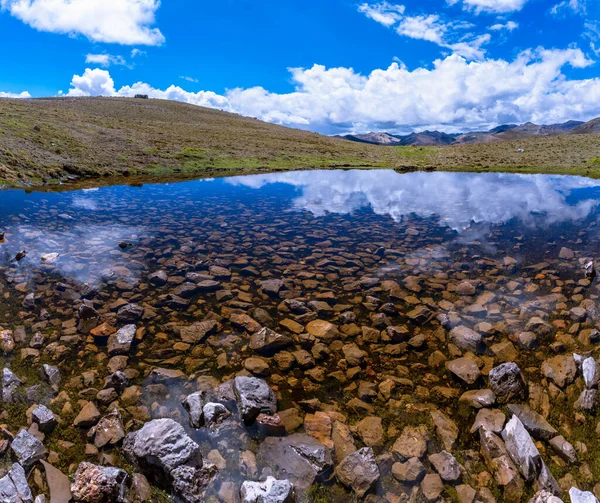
(43, 141)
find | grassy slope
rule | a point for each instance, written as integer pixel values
(113, 136)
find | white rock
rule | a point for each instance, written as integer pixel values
(521, 449)
(589, 369)
(578, 496)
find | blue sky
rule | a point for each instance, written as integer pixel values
(331, 66)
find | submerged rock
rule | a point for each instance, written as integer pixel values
(359, 471)
(507, 383)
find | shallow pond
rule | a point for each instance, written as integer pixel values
(363, 273)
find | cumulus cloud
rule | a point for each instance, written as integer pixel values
(569, 6)
(113, 21)
(23, 95)
(453, 95)
(105, 59)
(430, 27)
(490, 6)
(509, 26)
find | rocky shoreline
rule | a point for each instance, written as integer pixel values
(298, 361)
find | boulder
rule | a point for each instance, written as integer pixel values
(99, 484)
(359, 471)
(271, 491)
(254, 396)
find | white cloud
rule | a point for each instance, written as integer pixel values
(429, 27)
(509, 26)
(569, 6)
(113, 21)
(491, 6)
(22, 95)
(105, 59)
(384, 13)
(137, 52)
(189, 79)
(453, 95)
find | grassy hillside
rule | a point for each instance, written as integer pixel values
(46, 140)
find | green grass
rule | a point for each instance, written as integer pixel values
(108, 137)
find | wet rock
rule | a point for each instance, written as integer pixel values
(566, 253)
(197, 332)
(354, 355)
(194, 404)
(446, 429)
(88, 318)
(590, 270)
(478, 398)
(466, 339)
(465, 369)
(420, 315)
(99, 484)
(257, 366)
(343, 442)
(446, 465)
(271, 491)
(130, 313)
(545, 497)
(507, 383)
(300, 458)
(560, 369)
(158, 278)
(120, 342)
(28, 449)
(140, 490)
(323, 330)
(44, 418)
(521, 449)
(370, 430)
(269, 341)
(271, 286)
(359, 471)
(534, 423)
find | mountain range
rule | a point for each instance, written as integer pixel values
(500, 133)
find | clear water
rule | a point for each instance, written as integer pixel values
(319, 231)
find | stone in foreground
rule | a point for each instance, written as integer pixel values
(254, 396)
(99, 484)
(271, 490)
(358, 471)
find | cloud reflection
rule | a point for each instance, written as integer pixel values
(457, 199)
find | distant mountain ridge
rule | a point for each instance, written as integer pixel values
(503, 132)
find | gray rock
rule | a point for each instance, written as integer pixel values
(269, 491)
(578, 496)
(28, 449)
(272, 286)
(197, 332)
(465, 369)
(194, 405)
(359, 471)
(591, 372)
(254, 396)
(10, 383)
(479, 398)
(190, 482)
(587, 400)
(51, 375)
(158, 278)
(446, 465)
(490, 419)
(545, 497)
(507, 383)
(521, 449)
(214, 415)
(564, 449)
(269, 341)
(19, 479)
(45, 418)
(299, 458)
(120, 342)
(411, 471)
(8, 491)
(466, 339)
(130, 313)
(534, 423)
(99, 484)
(159, 447)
